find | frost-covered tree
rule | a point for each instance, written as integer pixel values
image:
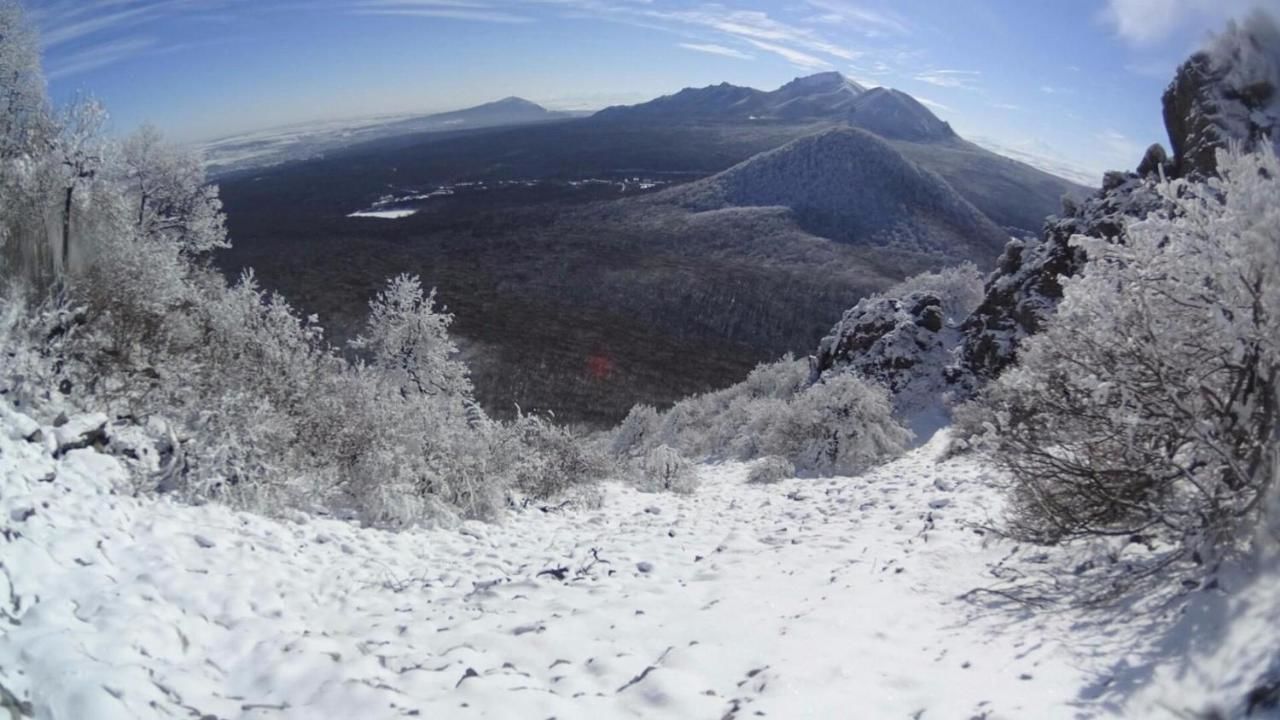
(169, 196)
(408, 337)
(1148, 407)
(80, 151)
(24, 113)
(25, 130)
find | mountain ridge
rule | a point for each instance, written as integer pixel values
(821, 96)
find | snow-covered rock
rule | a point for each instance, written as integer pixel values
(81, 431)
(19, 426)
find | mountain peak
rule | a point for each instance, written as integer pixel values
(823, 82)
(894, 114)
(511, 101)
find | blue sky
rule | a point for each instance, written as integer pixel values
(1073, 84)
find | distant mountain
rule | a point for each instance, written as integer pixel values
(507, 111)
(301, 142)
(824, 96)
(850, 186)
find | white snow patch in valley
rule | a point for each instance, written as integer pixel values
(825, 598)
(384, 214)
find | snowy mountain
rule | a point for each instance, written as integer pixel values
(825, 96)
(849, 185)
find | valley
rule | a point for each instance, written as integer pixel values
(574, 239)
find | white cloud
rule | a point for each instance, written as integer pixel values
(795, 57)
(932, 104)
(99, 55)
(1145, 22)
(1041, 156)
(798, 45)
(713, 49)
(950, 78)
(869, 22)
(448, 13)
(1054, 90)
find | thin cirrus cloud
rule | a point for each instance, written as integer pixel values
(800, 46)
(713, 49)
(445, 9)
(100, 55)
(795, 57)
(866, 20)
(85, 36)
(932, 104)
(964, 79)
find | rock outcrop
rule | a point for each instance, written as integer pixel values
(1228, 92)
(1026, 286)
(890, 340)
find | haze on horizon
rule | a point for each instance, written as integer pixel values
(1026, 79)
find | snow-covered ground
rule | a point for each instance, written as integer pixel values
(383, 214)
(834, 598)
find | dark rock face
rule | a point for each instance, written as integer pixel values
(1155, 161)
(1188, 112)
(1228, 92)
(885, 339)
(1026, 286)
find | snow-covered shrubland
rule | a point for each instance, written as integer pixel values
(1147, 409)
(220, 391)
(836, 426)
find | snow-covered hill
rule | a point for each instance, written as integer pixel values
(851, 186)
(846, 597)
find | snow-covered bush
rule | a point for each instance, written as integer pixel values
(838, 425)
(665, 469)
(959, 287)
(841, 425)
(771, 469)
(1148, 406)
(550, 459)
(635, 431)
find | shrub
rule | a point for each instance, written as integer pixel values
(840, 425)
(550, 461)
(771, 469)
(1148, 406)
(664, 468)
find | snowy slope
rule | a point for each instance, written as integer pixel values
(807, 599)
